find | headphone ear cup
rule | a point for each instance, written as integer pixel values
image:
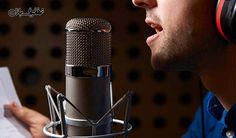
(225, 19)
(234, 22)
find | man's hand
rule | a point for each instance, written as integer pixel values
(34, 120)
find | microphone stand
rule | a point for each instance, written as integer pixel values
(59, 112)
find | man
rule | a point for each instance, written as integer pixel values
(187, 39)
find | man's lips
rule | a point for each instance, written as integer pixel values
(152, 38)
(158, 29)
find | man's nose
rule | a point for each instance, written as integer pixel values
(146, 4)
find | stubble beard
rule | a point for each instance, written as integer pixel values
(177, 51)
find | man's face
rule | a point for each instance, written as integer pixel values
(185, 32)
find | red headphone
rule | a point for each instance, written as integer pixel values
(226, 19)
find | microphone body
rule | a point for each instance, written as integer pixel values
(88, 71)
(87, 110)
(91, 96)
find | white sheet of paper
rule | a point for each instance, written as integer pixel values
(10, 127)
(8, 130)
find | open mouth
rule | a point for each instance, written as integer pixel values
(158, 30)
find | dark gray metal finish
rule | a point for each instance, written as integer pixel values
(94, 125)
(88, 47)
(88, 42)
(88, 24)
(92, 97)
(79, 71)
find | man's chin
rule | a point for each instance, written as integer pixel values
(159, 64)
(166, 65)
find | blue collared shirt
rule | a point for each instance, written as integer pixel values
(218, 122)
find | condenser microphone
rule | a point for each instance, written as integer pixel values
(88, 70)
(87, 110)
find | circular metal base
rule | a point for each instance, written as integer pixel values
(115, 121)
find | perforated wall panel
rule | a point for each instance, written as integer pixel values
(33, 48)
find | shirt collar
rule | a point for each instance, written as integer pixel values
(215, 108)
(217, 111)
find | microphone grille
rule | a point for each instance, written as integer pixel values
(88, 42)
(88, 24)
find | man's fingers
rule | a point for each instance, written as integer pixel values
(33, 119)
(26, 115)
(19, 112)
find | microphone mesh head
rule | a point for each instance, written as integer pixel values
(88, 42)
(88, 24)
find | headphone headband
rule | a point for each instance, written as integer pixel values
(226, 19)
